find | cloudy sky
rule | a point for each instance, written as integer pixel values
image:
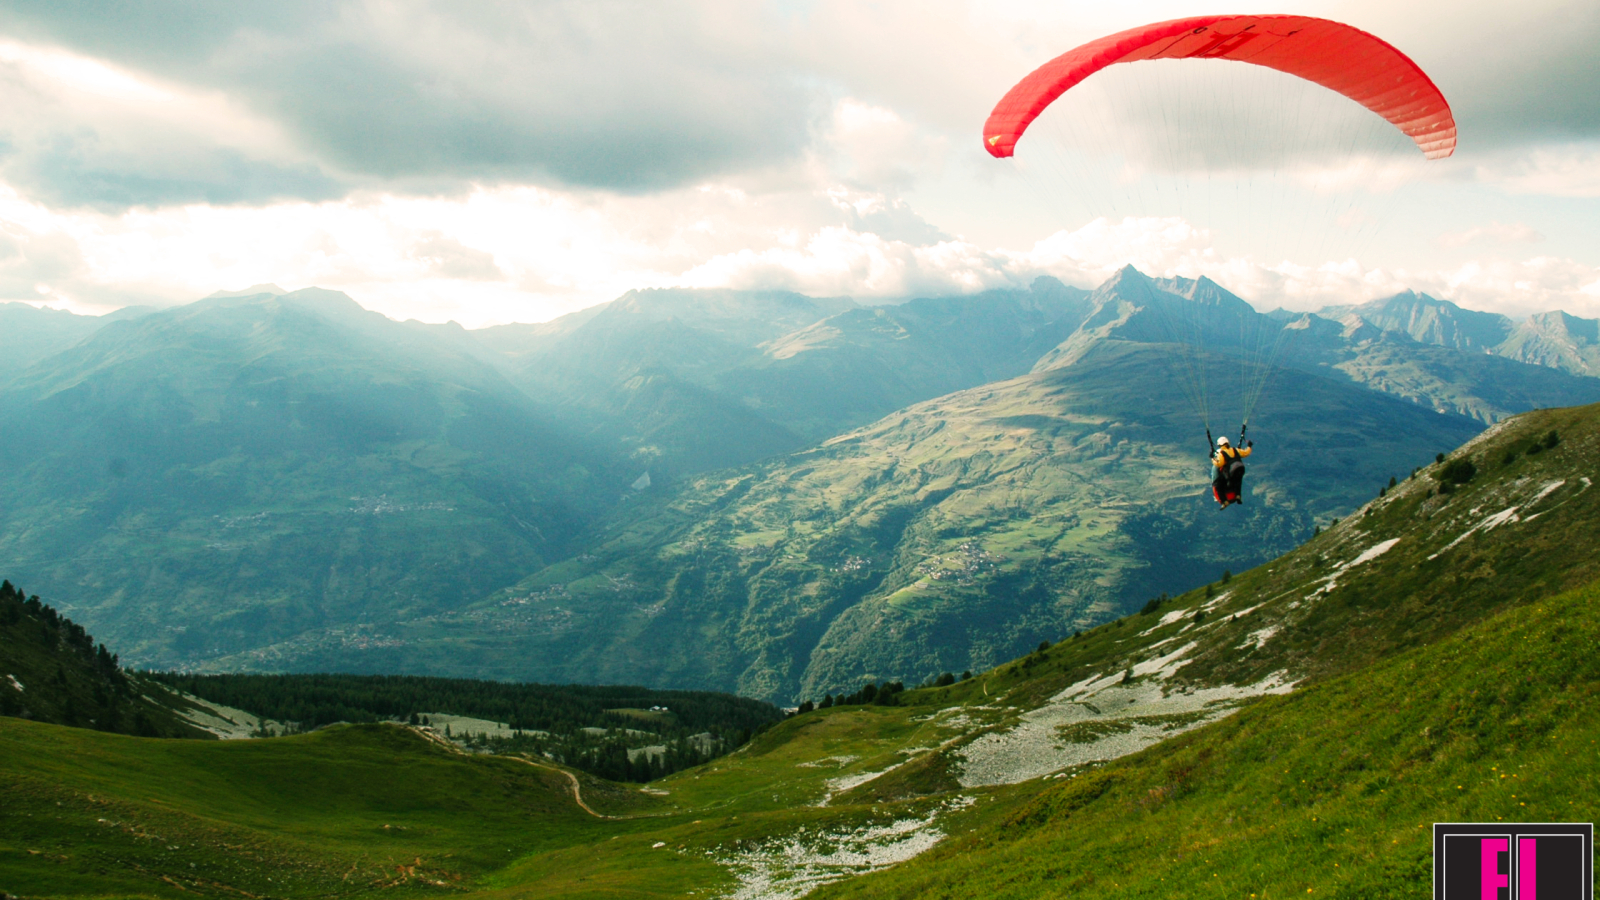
(493, 162)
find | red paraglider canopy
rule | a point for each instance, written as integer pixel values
(1348, 60)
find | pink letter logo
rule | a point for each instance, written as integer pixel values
(1492, 880)
(1513, 861)
(1527, 869)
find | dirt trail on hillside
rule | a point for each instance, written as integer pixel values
(577, 792)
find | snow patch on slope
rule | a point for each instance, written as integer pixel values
(1113, 719)
(848, 782)
(1260, 638)
(1373, 552)
(1164, 666)
(1331, 580)
(1508, 516)
(793, 866)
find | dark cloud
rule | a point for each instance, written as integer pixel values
(630, 96)
(427, 96)
(158, 33)
(1523, 76)
(72, 170)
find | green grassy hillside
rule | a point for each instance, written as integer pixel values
(1331, 791)
(1445, 644)
(360, 809)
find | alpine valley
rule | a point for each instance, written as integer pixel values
(757, 492)
(1429, 657)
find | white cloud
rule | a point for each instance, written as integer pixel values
(1168, 246)
(839, 260)
(1518, 287)
(872, 147)
(527, 254)
(1561, 170)
(78, 131)
(449, 258)
(1497, 232)
(419, 95)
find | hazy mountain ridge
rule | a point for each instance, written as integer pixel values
(1553, 339)
(1411, 346)
(284, 480)
(1189, 315)
(1430, 321)
(948, 536)
(1557, 340)
(207, 476)
(28, 334)
(684, 381)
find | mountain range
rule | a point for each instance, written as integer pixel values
(757, 491)
(1553, 339)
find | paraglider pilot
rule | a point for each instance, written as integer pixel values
(1229, 462)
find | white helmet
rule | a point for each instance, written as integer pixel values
(1222, 442)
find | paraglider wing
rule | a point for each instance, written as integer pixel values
(1344, 59)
